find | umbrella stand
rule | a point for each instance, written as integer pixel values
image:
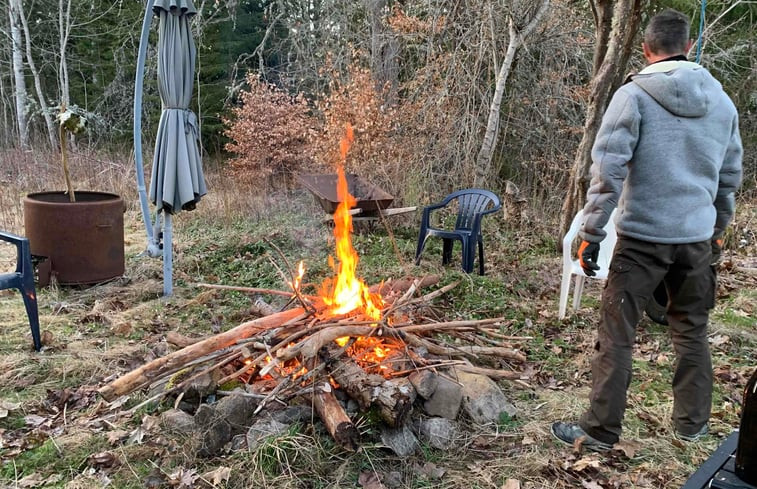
(153, 241)
(167, 255)
(177, 181)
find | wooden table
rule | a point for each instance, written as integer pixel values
(717, 471)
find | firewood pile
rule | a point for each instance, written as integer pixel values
(309, 354)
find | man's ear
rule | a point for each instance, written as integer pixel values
(647, 51)
(688, 45)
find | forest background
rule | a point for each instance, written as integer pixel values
(421, 82)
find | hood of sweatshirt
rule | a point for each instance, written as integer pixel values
(683, 88)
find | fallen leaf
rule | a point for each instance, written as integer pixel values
(116, 436)
(37, 480)
(590, 485)
(217, 476)
(527, 440)
(718, 340)
(628, 447)
(511, 484)
(103, 459)
(34, 420)
(430, 470)
(586, 462)
(369, 480)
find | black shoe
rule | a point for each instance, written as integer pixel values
(570, 432)
(696, 436)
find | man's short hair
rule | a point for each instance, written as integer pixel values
(667, 32)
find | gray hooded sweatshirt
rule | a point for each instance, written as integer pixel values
(668, 155)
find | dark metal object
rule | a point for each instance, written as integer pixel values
(23, 280)
(717, 471)
(83, 240)
(370, 198)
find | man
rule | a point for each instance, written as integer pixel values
(668, 155)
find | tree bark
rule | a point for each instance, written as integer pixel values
(485, 154)
(384, 51)
(615, 38)
(144, 374)
(51, 133)
(14, 7)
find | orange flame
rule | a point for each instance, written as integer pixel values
(346, 292)
(298, 279)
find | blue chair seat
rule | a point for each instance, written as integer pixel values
(23, 280)
(473, 205)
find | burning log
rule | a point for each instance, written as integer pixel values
(177, 360)
(394, 398)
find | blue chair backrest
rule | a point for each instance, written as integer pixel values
(472, 202)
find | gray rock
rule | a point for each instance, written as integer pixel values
(205, 415)
(200, 387)
(446, 399)
(293, 414)
(483, 400)
(425, 382)
(177, 421)
(214, 438)
(438, 432)
(261, 430)
(400, 440)
(237, 410)
(238, 442)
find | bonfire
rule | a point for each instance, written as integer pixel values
(364, 340)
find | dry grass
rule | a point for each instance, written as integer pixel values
(93, 333)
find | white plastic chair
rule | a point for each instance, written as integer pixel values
(572, 267)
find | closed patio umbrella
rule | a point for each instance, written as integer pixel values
(177, 181)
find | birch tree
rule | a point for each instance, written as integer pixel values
(14, 7)
(484, 159)
(37, 82)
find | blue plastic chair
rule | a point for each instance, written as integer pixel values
(23, 280)
(473, 204)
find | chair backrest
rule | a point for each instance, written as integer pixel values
(472, 202)
(605, 250)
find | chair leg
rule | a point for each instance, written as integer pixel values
(419, 249)
(447, 251)
(579, 289)
(30, 302)
(29, 293)
(467, 256)
(564, 290)
(480, 257)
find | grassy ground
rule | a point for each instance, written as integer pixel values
(52, 431)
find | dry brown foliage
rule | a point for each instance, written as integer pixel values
(269, 132)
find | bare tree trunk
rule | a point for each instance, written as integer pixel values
(619, 31)
(484, 159)
(14, 6)
(384, 50)
(37, 83)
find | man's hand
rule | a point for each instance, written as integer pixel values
(588, 254)
(717, 250)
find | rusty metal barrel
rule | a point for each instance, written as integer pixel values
(83, 240)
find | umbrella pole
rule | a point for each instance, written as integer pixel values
(167, 255)
(138, 86)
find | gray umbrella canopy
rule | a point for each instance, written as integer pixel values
(177, 179)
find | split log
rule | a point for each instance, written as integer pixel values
(175, 361)
(338, 424)
(494, 374)
(393, 398)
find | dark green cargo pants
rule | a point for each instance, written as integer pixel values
(637, 267)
